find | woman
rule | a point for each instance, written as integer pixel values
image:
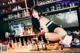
(52, 31)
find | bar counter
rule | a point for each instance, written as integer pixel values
(24, 49)
(65, 50)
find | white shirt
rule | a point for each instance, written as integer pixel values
(43, 21)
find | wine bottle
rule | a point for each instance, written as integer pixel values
(15, 44)
(24, 42)
(19, 43)
(41, 44)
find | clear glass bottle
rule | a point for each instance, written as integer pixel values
(15, 44)
(18, 15)
(14, 1)
(52, 8)
(12, 43)
(41, 44)
(34, 45)
(19, 43)
(24, 42)
(62, 5)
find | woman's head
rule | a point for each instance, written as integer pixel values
(34, 13)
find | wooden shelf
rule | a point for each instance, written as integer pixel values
(20, 18)
(58, 10)
(48, 3)
(29, 35)
(7, 5)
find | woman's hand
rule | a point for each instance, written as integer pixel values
(41, 32)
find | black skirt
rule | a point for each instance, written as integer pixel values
(51, 27)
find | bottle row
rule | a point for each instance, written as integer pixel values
(9, 2)
(43, 2)
(22, 14)
(11, 9)
(27, 42)
(58, 7)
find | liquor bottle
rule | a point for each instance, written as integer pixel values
(70, 4)
(73, 4)
(34, 45)
(25, 13)
(47, 9)
(48, 1)
(22, 14)
(18, 15)
(66, 4)
(9, 1)
(47, 41)
(52, 8)
(15, 44)
(58, 6)
(13, 1)
(24, 42)
(19, 43)
(12, 43)
(62, 5)
(41, 44)
(28, 41)
(28, 14)
(29, 45)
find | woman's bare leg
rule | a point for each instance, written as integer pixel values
(52, 36)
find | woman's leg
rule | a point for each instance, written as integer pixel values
(58, 34)
(52, 36)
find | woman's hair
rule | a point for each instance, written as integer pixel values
(31, 10)
(35, 21)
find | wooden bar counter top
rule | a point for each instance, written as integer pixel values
(24, 49)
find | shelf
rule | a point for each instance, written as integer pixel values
(20, 18)
(17, 10)
(58, 10)
(6, 5)
(28, 35)
(13, 11)
(48, 3)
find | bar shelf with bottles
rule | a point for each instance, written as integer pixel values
(64, 9)
(7, 9)
(63, 6)
(20, 14)
(17, 18)
(13, 9)
(46, 2)
(9, 12)
(10, 3)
